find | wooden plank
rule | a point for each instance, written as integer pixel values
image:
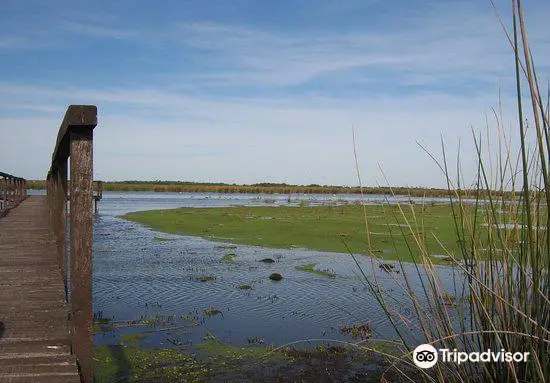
(35, 344)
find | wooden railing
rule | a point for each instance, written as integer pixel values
(13, 190)
(98, 194)
(75, 140)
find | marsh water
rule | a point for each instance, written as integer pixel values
(163, 280)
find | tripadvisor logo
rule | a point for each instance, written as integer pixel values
(426, 356)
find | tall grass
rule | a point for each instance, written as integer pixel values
(501, 293)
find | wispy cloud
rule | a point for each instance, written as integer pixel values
(10, 42)
(453, 45)
(100, 31)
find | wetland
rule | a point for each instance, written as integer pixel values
(183, 288)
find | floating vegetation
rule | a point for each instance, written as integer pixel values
(244, 287)
(321, 350)
(256, 340)
(229, 257)
(161, 239)
(206, 278)
(310, 268)
(214, 360)
(388, 267)
(101, 323)
(107, 250)
(212, 312)
(357, 330)
(98, 317)
(442, 257)
(128, 361)
(275, 277)
(226, 247)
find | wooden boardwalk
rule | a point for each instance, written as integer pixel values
(34, 331)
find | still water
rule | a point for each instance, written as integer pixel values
(146, 277)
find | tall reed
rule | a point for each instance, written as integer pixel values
(500, 297)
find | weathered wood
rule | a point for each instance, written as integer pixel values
(76, 115)
(61, 217)
(33, 258)
(13, 190)
(74, 140)
(35, 341)
(98, 195)
(3, 193)
(81, 248)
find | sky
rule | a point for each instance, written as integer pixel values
(248, 91)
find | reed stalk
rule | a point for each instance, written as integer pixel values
(500, 294)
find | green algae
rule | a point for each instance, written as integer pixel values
(310, 268)
(229, 257)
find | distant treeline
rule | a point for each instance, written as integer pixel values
(263, 188)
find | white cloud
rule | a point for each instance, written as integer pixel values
(245, 140)
(99, 31)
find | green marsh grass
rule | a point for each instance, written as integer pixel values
(313, 227)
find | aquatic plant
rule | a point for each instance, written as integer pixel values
(212, 312)
(227, 247)
(310, 268)
(503, 272)
(387, 267)
(206, 278)
(161, 239)
(230, 257)
(357, 330)
(313, 227)
(275, 277)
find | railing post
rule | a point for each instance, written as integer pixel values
(4, 193)
(19, 191)
(11, 197)
(60, 213)
(81, 247)
(15, 192)
(8, 191)
(75, 141)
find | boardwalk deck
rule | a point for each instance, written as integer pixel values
(34, 329)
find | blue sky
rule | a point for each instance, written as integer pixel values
(250, 91)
